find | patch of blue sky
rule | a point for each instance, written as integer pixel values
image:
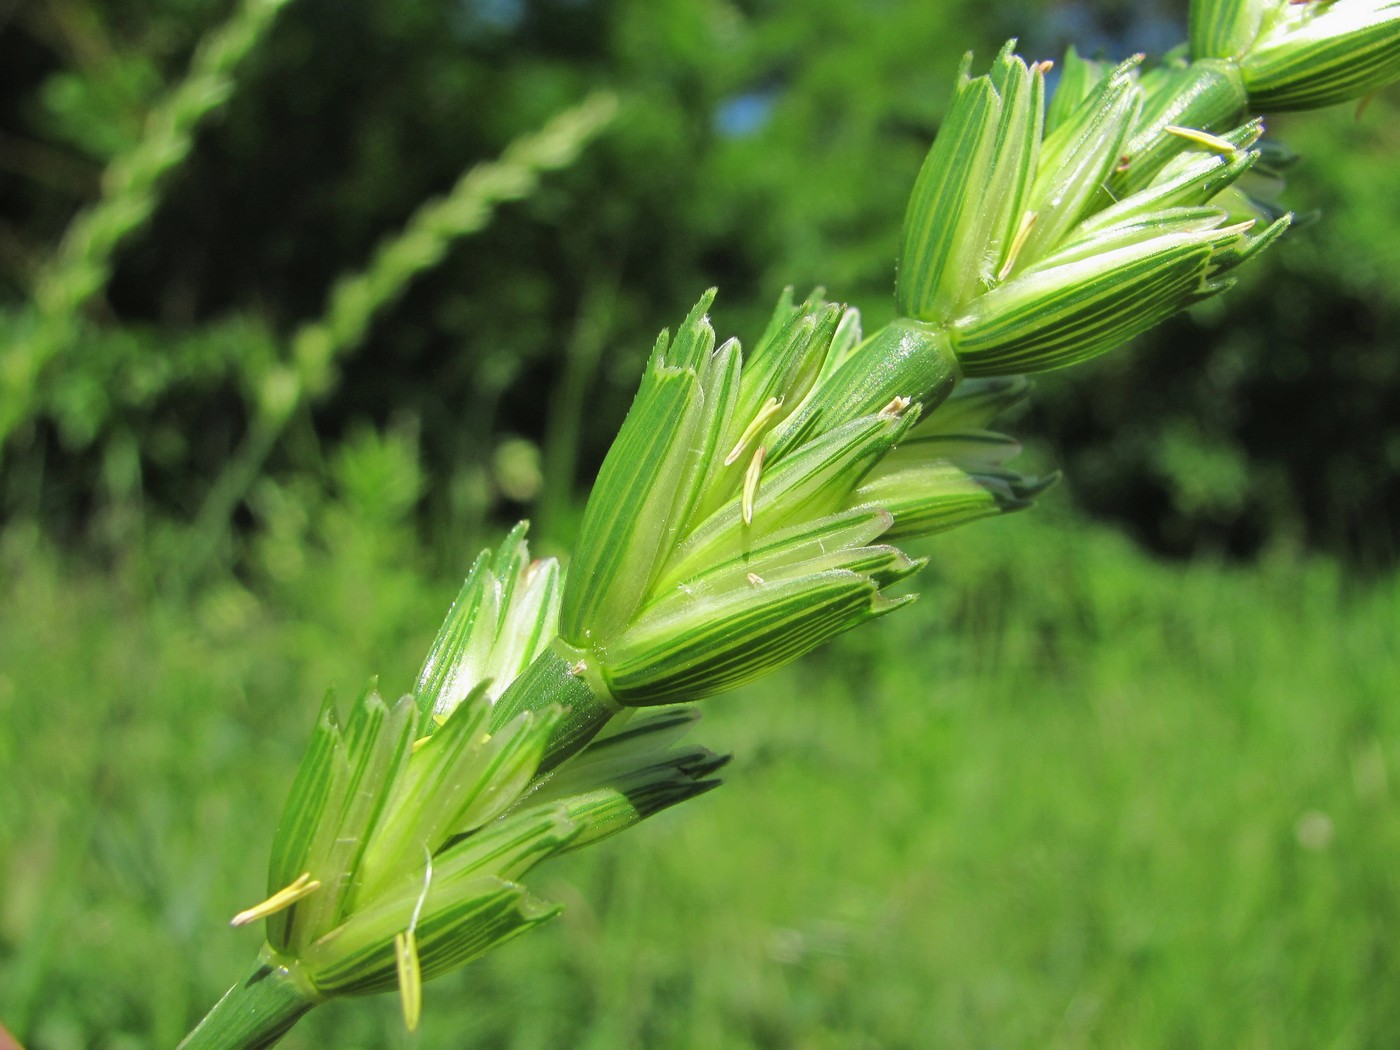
(745, 114)
(498, 16)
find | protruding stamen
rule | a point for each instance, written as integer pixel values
(1017, 243)
(303, 886)
(895, 408)
(1044, 66)
(751, 483)
(418, 744)
(770, 408)
(410, 974)
(406, 961)
(1202, 138)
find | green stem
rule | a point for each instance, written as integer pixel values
(559, 675)
(257, 1011)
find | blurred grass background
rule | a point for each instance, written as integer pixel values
(1126, 776)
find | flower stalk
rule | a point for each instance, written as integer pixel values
(759, 502)
(257, 1011)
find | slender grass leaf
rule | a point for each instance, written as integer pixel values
(1078, 77)
(305, 810)
(937, 253)
(1322, 54)
(1206, 95)
(1225, 28)
(1070, 313)
(377, 739)
(628, 516)
(800, 542)
(1077, 158)
(743, 640)
(905, 359)
(704, 469)
(809, 484)
(458, 923)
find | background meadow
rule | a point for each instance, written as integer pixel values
(1126, 775)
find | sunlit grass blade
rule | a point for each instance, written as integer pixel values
(937, 254)
(630, 510)
(1205, 96)
(307, 806)
(1062, 313)
(1076, 80)
(743, 639)
(809, 484)
(1225, 28)
(1192, 179)
(1077, 158)
(1322, 54)
(458, 924)
(376, 738)
(822, 535)
(907, 360)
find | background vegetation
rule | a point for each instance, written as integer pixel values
(1131, 791)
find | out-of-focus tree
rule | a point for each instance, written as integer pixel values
(753, 140)
(758, 143)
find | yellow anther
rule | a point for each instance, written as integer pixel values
(755, 579)
(751, 483)
(303, 886)
(770, 408)
(896, 408)
(1202, 138)
(1017, 243)
(410, 974)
